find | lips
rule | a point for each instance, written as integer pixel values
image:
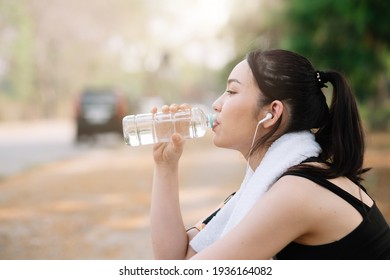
(216, 123)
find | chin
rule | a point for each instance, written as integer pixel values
(216, 142)
(220, 143)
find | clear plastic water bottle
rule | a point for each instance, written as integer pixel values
(150, 128)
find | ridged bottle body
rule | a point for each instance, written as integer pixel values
(144, 129)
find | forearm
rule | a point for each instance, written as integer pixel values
(169, 237)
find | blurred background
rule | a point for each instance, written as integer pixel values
(70, 70)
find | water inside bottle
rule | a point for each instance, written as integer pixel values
(139, 130)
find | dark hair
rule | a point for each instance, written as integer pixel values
(291, 78)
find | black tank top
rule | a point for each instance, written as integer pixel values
(370, 240)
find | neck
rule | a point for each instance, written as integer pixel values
(254, 160)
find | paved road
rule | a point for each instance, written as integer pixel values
(27, 145)
(92, 202)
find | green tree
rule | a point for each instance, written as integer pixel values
(15, 22)
(352, 36)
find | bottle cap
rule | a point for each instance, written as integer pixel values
(211, 118)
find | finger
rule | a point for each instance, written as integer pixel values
(185, 106)
(153, 110)
(173, 108)
(165, 109)
(177, 141)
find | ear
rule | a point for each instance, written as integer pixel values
(276, 108)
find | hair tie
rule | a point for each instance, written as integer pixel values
(322, 79)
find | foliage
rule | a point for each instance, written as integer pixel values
(16, 28)
(380, 118)
(352, 36)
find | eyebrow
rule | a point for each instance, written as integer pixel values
(233, 81)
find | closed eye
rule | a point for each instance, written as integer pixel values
(230, 91)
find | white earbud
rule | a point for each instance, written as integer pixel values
(267, 117)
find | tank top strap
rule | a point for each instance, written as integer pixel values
(353, 201)
(317, 159)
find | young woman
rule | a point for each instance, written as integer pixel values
(302, 196)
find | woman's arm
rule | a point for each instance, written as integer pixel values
(169, 237)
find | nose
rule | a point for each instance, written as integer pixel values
(217, 105)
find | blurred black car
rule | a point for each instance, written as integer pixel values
(99, 111)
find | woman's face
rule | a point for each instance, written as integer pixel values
(237, 111)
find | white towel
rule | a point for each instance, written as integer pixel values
(289, 150)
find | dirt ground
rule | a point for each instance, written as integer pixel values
(96, 206)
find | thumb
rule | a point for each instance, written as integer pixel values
(177, 141)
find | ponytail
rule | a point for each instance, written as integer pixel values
(341, 137)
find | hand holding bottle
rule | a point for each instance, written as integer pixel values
(168, 153)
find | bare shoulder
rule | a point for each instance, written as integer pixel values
(293, 187)
(306, 188)
(291, 181)
(298, 194)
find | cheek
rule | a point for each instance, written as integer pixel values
(235, 132)
(238, 123)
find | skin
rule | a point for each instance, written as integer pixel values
(294, 209)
